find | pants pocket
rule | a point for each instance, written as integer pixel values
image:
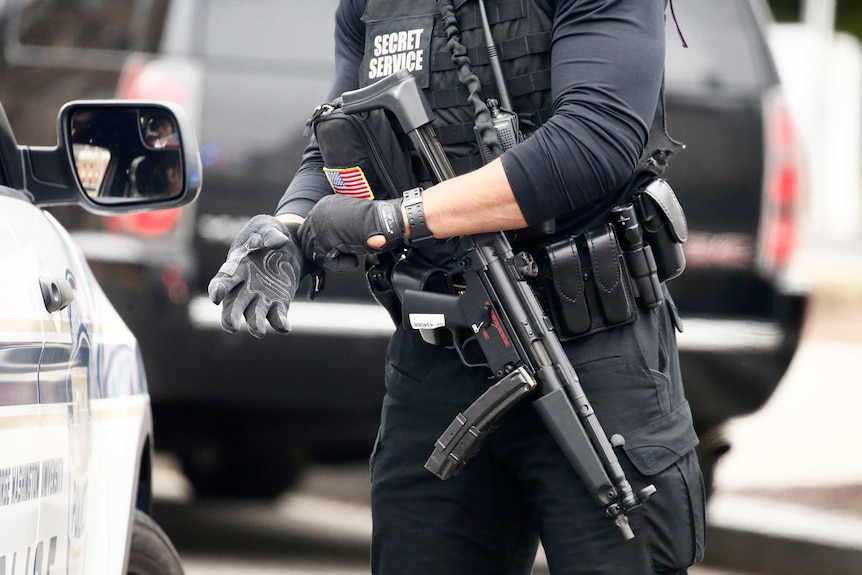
(663, 453)
(676, 516)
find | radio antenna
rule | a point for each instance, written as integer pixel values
(495, 59)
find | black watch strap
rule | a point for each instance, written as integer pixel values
(420, 235)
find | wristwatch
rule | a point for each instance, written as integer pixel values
(420, 235)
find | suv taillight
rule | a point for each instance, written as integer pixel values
(782, 186)
(141, 81)
(145, 224)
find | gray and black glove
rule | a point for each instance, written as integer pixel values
(337, 229)
(259, 279)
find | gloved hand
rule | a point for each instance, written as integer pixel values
(336, 231)
(260, 277)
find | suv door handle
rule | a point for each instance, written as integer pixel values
(57, 294)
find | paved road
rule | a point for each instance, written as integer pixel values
(799, 438)
(323, 527)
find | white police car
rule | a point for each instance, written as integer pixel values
(76, 437)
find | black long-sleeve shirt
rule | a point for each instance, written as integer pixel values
(607, 59)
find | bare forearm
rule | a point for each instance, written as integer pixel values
(481, 201)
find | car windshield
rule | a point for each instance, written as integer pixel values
(725, 48)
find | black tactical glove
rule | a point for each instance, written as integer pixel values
(260, 277)
(336, 230)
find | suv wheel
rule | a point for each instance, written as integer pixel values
(238, 470)
(712, 447)
(151, 553)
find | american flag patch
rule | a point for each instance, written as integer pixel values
(350, 182)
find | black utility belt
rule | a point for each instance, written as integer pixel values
(587, 282)
(597, 279)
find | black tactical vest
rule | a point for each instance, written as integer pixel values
(411, 35)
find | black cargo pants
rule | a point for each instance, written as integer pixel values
(520, 488)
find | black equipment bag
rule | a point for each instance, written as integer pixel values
(363, 155)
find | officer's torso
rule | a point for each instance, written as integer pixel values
(412, 35)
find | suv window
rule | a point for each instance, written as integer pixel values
(725, 49)
(261, 30)
(53, 32)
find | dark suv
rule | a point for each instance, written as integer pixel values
(741, 182)
(244, 415)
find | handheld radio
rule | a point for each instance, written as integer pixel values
(506, 126)
(504, 119)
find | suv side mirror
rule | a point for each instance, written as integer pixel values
(116, 156)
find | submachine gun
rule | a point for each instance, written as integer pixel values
(498, 310)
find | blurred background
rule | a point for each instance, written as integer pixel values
(263, 467)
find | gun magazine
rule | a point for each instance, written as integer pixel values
(467, 432)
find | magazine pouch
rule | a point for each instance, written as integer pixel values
(584, 285)
(363, 155)
(664, 226)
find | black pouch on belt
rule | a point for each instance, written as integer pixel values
(584, 284)
(664, 226)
